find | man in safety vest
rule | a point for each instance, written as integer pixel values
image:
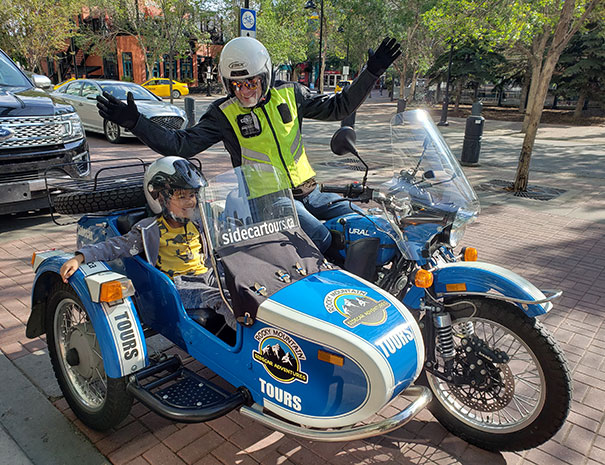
(260, 122)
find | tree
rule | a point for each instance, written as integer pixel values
(581, 69)
(33, 30)
(556, 24)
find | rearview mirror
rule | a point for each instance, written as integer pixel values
(343, 141)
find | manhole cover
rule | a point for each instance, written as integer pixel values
(532, 192)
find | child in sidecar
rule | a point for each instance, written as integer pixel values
(172, 240)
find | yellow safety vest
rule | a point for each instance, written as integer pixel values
(266, 137)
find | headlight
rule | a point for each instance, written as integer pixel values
(71, 127)
(452, 236)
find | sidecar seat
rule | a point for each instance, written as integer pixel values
(125, 222)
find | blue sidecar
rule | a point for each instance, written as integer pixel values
(318, 351)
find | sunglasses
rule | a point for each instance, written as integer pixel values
(250, 83)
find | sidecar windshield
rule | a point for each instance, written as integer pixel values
(425, 169)
(247, 203)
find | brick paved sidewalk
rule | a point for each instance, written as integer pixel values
(549, 250)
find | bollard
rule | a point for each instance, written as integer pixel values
(401, 103)
(349, 120)
(190, 111)
(476, 108)
(472, 141)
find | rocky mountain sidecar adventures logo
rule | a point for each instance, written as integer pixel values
(356, 307)
(280, 355)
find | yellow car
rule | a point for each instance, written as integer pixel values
(63, 82)
(341, 85)
(161, 87)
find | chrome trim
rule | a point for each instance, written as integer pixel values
(387, 425)
(555, 294)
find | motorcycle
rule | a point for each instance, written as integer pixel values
(499, 379)
(320, 349)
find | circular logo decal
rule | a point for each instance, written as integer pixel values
(356, 307)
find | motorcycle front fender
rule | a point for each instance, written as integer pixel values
(476, 278)
(117, 326)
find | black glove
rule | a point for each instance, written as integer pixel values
(112, 109)
(388, 51)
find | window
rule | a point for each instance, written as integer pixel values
(186, 68)
(167, 66)
(73, 88)
(88, 88)
(127, 64)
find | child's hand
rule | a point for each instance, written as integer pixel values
(70, 267)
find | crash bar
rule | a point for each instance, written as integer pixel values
(348, 433)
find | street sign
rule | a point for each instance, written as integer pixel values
(247, 21)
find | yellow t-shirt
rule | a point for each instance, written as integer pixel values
(180, 250)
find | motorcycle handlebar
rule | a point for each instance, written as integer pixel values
(351, 190)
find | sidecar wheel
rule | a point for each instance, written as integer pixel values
(522, 403)
(99, 401)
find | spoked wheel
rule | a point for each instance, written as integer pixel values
(113, 132)
(176, 94)
(519, 392)
(99, 401)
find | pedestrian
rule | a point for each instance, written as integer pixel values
(260, 121)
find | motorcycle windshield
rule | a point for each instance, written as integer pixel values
(247, 203)
(425, 169)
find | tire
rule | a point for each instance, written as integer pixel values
(99, 401)
(113, 132)
(119, 198)
(531, 396)
(176, 93)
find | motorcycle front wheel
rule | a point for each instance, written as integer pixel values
(509, 406)
(99, 401)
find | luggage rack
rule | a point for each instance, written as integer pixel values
(114, 184)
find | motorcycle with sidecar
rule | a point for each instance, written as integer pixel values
(321, 347)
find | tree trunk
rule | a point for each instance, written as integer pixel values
(413, 87)
(171, 58)
(524, 90)
(458, 95)
(577, 114)
(438, 93)
(534, 112)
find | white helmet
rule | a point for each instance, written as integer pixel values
(245, 57)
(166, 174)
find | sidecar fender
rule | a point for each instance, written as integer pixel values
(117, 326)
(466, 278)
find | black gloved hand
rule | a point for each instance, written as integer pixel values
(388, 51)
(112, 109)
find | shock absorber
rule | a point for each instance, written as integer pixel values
(445, 336)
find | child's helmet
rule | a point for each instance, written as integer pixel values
(165, 175)
(242, 58)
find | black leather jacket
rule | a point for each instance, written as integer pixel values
(213, 126)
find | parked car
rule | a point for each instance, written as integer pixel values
(340, 85)
(37, 130)
(82, 93)
(62, 82)
(161, 87)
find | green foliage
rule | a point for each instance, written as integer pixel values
(33, 30)
(581, 67)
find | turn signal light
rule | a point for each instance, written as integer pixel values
(33, 258)
(469, 254)
(111, 291)
(423, 278)
(334, 359)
